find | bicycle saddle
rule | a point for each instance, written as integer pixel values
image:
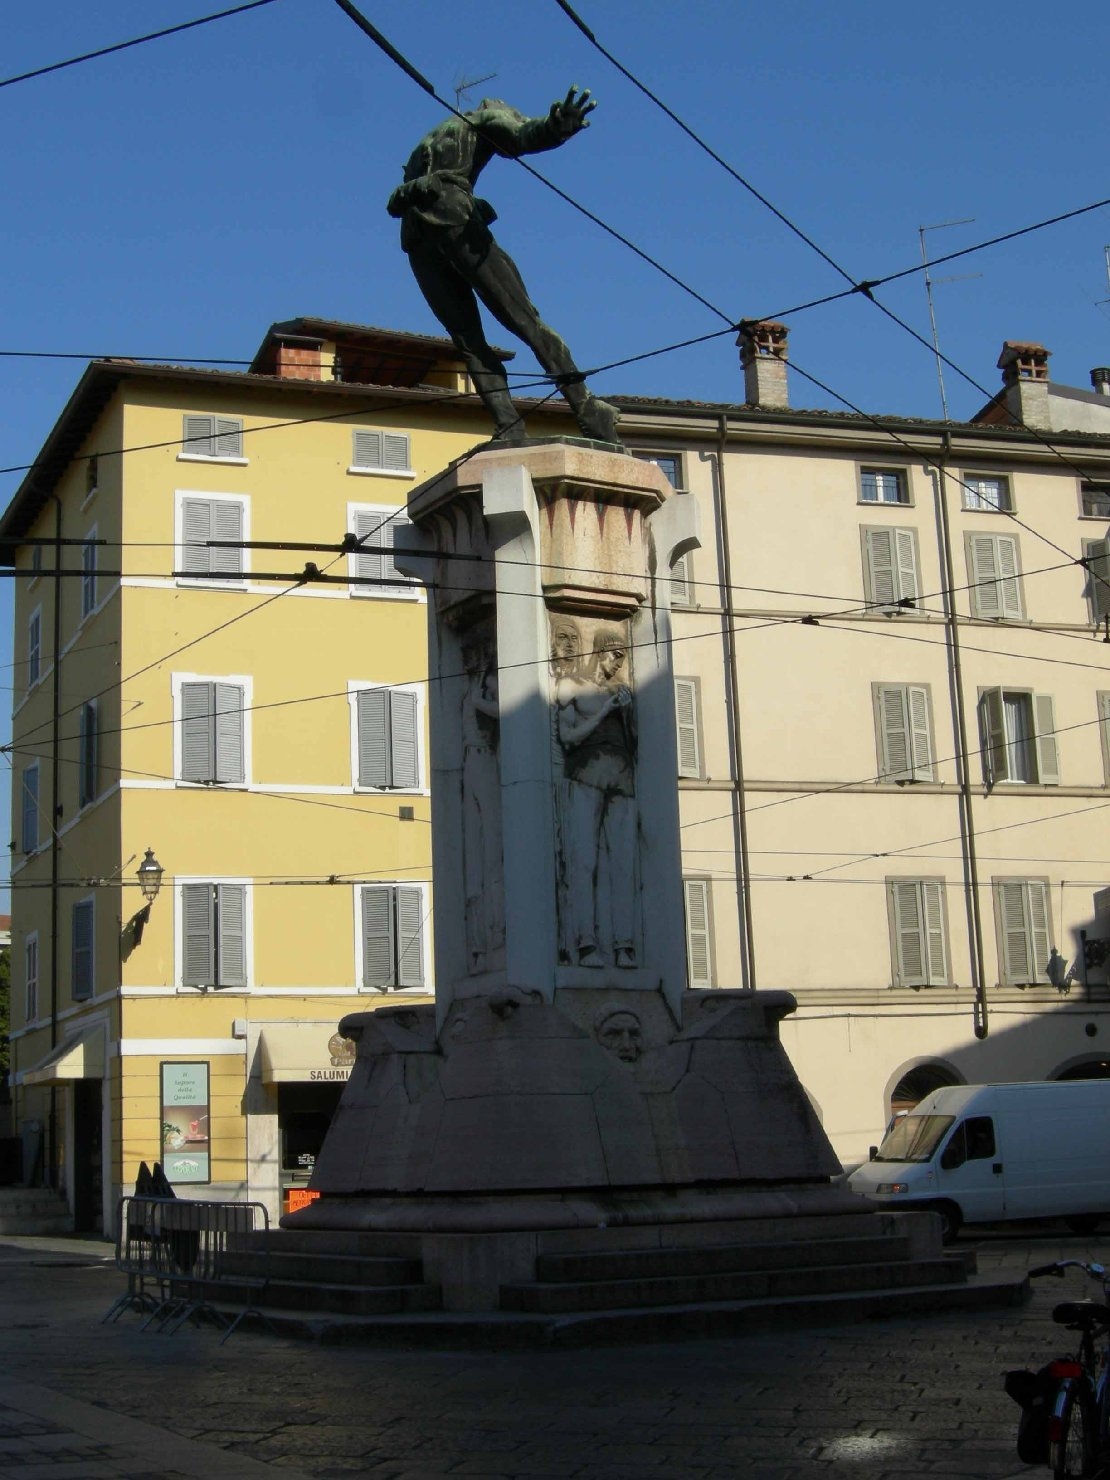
(1082, 1315)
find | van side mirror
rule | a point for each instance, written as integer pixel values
(872, 1152)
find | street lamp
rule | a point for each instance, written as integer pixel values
(150, 877)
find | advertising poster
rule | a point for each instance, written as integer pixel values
(185, 1122)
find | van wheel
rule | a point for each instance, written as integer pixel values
(1083, 1222)
(950, 1220)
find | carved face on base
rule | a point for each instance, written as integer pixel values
(619, 1032)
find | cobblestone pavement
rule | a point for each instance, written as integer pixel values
(883, 1400)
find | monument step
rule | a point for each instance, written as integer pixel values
(717, 1259)
(293, 1265)
(364, 1243)
(361, 1300)
(697, 1288)
(710, 1232)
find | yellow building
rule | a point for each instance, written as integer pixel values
(264, 738)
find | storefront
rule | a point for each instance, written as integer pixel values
(303, 1069)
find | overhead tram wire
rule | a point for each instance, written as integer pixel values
(105, 51)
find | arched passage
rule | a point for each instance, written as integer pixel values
(915, 1081)
(1083, 1068)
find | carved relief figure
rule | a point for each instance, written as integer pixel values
(618, 1030)
(596, 727)
(483, 867)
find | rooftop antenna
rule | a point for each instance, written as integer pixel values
(1106, 254)
(465, 85)
(921, 230)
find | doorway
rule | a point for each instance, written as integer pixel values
(88, 1156)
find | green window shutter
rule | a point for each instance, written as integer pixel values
(377, 938)
(373, 737)
(231, 913)
(227, 704)
(198, 963)
(1048, 757)
(197, 732)
(682, 582)
(83, 950)
(992, 731)
(410, 937)
(686, 720)
(403, 738)
(29, 832)
(698, 954)
(909, 934)
(905, 553)
(395, 451)
(196, 529)
(882, 575)
(198, 437)
(1097, 555)
(229, 437)
(367, 450)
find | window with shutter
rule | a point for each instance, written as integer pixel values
(212, 519)
(213, 437)
(88, 575)
(387, 738)
(919, 933)
(1017, 731)
(212, 719)
(380, 452)
(890, 570)
(392, 920)
(687, 707)
(1096, 558)
(88, 764)
(904, 724)
(34, 647)
(83, 921)
(31, 977)
(214, 935)
(1103, 702)
(29, 832)
(993, 571)
(699, 953)
(682, 581)
(375, 528)
(1024, 930)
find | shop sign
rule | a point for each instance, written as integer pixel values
(185, 1112)
(341, 1053)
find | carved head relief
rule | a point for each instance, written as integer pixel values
(619, 1032)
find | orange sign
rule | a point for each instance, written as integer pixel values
(299, 1197)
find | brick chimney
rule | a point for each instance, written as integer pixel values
(298, 358)
(1025, 382)
(763, 356)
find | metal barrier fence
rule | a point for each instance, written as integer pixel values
(181, 1257)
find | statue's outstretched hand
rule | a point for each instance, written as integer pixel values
(571, 114)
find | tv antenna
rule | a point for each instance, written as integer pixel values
(465, 85)
(943, 226)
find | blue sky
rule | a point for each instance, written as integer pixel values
(175, 199)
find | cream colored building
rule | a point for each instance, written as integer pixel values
(886, 647)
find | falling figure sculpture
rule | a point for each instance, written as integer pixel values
(456, 261)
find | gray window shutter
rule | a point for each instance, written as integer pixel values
(198, 436)
(986, 598)
(373, 737)
(909, 934)
(34, 649)
(228, 699)
(1023, 910)
(410, 937)
(367, 450)
(698, 968)
(196, 529)
(917, 703)
(396, 452)
(227, 524)
(992, 730)
(197, 919)
(386, 536)
(936, 947)
(83, 965)
(895, 730)
(89, 761)
(1010, 585)
(197, 723)
(1048, 756)
(882, 578)
(367, 565)
(88, 578)
(377, 937)
(30, 827)
(905, 552)
(1039, 933)
(404, 741)
(682, 583)
(1097, 555)
(229, 437)
(231, 907)
(686, 719)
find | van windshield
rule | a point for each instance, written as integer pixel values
(914, 1138)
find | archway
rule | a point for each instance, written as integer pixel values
(1087, 1068)
(918, 1081)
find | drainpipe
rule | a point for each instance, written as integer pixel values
(740, 816)
(55, 843)
(980, 1012)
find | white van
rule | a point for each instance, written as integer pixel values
(981, 1153)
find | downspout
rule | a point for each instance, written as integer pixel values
(740, 816)
(55, 842)
(980, 1012)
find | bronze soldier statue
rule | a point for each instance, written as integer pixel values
(456, 261)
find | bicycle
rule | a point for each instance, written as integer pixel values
(1066, 1404)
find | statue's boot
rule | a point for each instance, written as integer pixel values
(508, 423)
(596, 419)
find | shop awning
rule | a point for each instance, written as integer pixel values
(305, 1052)
(80, 1056)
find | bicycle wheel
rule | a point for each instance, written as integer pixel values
(1072, 1451)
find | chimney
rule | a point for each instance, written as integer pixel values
(298, 358)
(1100, 379)
(763, 356)
(1025, 381)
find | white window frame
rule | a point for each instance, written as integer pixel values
(920, 755)
(687, 696)
(88, 753)
(428, 985)
(31, 977)
(697, 893)
(1030, 908)
(406, 589)
(1097, 488)
(1008, 599)
(179, 930)
(89, 904)
(929, 892)
(358, 686)
(882, 471)
(973, 502)
(88, 574)
(244, 681)
(380, 469)
(205, 578)
(187, 454)
(902, 575)
(24, 810)
(1000, 745)
(34, 648)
